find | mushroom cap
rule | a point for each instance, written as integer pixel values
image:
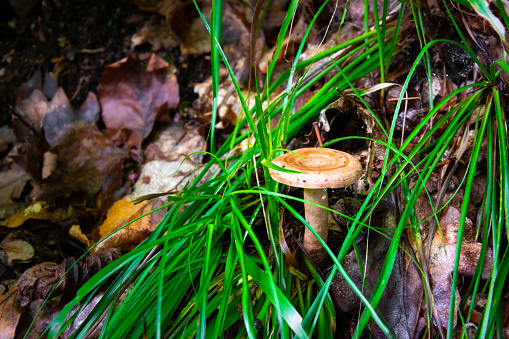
(320, 167)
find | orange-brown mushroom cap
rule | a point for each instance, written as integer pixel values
(319, 167)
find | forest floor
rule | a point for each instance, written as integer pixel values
(101, 101)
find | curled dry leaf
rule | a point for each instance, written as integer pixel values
(75, 232)
(442, 261)
(123, 212)
(133, 98)
(36, 282)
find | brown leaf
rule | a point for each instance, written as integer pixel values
(123, 212)
(75, 232)
(7, 137)
(442, 260)
(45, 313)
(60, 116)
(54, 116)
(133, 98)
(10, 311)
(175, 143)
(398, 305)
(12, 183)
(39, 210)
(15, 249)
(84, 162)
(37, 281)
(162, 176)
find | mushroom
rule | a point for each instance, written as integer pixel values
(320, 168)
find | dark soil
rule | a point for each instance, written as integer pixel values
(72, 39)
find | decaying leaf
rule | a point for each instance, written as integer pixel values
(83, 164)
(10, 311)
(12, 183)
(7, 137)
(442, 261)
(14, 249)
(39, 210)
(175, 143)
(75, 232)
(123, 212)
(36, 282)
(133, 98)
(400, 303)
(54, 116)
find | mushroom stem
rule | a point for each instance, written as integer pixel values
(317, 218)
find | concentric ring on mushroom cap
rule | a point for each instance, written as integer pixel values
(320, 167)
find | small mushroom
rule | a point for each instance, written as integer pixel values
(442, 261)
(320, 168)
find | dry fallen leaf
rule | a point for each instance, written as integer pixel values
(399, 304)
(133, 98)
(54, 116)
(10, 311)
(37, 281)
(84, 163)
(175, 143)
(442, 261)
(75, 232)
(123, 212)
(12, 183)
(38, 210)
(15, 249)
(7, 137)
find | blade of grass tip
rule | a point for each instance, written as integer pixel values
(380, 32)
(216, 19)
(395, 37)
(464, 208)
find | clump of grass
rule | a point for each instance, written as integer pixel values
(188, 278)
